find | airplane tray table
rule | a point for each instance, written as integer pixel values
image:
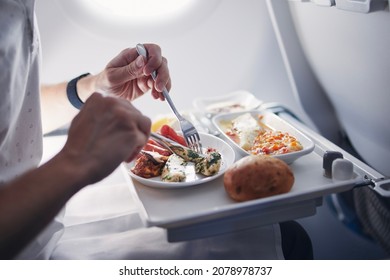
(206, 210)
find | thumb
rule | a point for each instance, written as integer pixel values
(135, 68)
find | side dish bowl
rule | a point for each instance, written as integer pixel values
(272, 121)
(232, 102)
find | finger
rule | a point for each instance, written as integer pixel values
(132, 70)
(144, 125)
(134, 153)
(154, 58)
(157, 63)
(93, 100)
(150, 82)
(126, 73)
(138, 142)
(144, 84)
(157, 94)
(135, 126)
(163, 78)
(125, 57)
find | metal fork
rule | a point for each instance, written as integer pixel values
(182, 151)
(190, 134)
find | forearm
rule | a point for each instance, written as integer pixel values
(30, 202)
(97, 143)
(56, 108)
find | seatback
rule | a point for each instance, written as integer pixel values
(348, 54)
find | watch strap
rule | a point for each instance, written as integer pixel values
(71, 92)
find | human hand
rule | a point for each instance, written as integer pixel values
(128, 75)
(106, 132)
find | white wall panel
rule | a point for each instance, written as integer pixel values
(221, 47)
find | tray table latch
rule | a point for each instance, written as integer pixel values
(380, 185)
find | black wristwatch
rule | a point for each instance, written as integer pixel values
(71, 91)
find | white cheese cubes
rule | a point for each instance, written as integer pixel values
(174, 169)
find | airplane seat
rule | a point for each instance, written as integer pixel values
(348, 54)
(345, 56)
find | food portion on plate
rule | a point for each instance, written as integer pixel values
(263, 133)
(149, 164)
(170, 159)
(250, 133)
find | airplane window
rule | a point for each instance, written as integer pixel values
(140, 18)
(137, 10)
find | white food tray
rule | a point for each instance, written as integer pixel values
(206, 209)
(225, 103)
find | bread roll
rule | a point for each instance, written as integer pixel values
(257, 176)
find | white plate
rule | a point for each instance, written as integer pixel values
(274, 122)
(228, 157)
(224, 103)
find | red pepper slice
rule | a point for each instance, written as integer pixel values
(170, 133)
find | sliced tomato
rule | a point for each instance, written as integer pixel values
(170, 133)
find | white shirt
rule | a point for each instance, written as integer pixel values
(20, 115)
